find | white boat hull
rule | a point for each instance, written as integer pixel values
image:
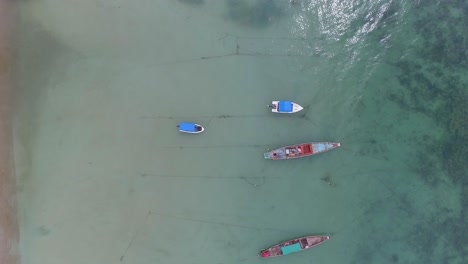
(296, 108)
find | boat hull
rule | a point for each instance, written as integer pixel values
(275, 109)
(292, 246)
(300, 150)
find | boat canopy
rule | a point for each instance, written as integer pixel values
(190, 127)
(291, 248)
(285, 106)
(319, 147)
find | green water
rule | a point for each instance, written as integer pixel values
(105, 177)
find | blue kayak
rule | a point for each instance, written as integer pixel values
(191, 128)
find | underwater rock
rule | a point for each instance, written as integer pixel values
(260, 14)
(193, 2)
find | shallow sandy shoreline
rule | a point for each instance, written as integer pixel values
(8, 216)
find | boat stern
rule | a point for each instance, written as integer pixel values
(264, 254)
(274, 106)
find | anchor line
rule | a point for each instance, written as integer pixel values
(215, 222)
(193, 117)
(301, 116)
(212, 146)
(149, 175)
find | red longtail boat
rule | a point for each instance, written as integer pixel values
(300, 150)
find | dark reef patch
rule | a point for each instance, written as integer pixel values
(394, 258)
(193, 2)
(257, 14)
(434, 83)
(432, 73)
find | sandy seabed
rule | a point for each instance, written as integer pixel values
(8, 216)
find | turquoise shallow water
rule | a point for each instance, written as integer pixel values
(104, 176)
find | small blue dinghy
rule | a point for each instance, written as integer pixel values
(191, 128)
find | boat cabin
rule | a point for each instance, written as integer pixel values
(301, 150)
(190, 127)
(285, 106)
(291, 248)
(304, 243)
